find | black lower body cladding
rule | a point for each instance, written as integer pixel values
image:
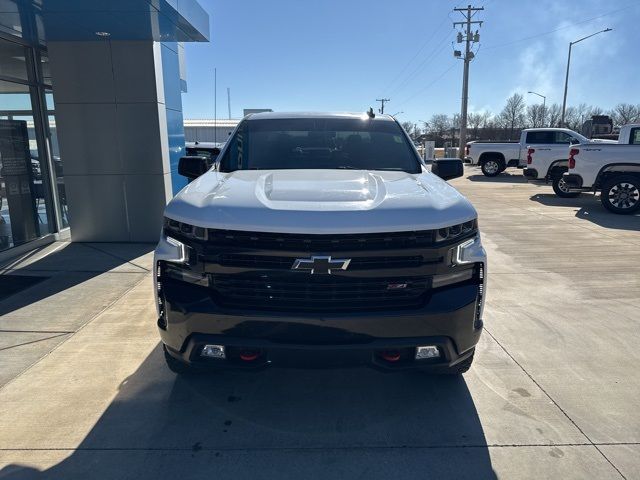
(361, 299)
(449, 321)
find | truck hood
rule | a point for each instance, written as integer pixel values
(320, 201)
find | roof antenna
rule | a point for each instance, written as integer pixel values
(370, 113)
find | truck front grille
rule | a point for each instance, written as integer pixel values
(303, 292)
(254, 270)
(358, 263)
(318, 242)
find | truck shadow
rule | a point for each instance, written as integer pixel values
(280, 424)
(591, 210)
(66, 266)
(502, 178)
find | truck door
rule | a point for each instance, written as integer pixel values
(541, 140)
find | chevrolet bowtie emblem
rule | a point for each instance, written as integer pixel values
(320, 265)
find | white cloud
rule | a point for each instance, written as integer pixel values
(542, 63)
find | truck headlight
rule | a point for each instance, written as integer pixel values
(455, 231)
(189, 231)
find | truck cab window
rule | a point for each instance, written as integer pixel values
(562, 137)
(541, 137)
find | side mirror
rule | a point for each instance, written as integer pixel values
(447, 168)
(193, 167)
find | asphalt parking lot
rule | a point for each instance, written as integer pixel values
(553, 393)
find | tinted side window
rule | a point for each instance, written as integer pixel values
(561, 137)
(634, 138)
(539, 137)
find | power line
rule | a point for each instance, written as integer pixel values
(469, 38)
(580, 22)
(422, 64)
(431, 37)
(433, 82)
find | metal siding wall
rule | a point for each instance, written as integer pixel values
(173, 104)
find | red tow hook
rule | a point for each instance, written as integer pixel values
(249, 355)
(391, 355)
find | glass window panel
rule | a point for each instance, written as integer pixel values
(51, 106)
(24, 199)
(13, 60)
(10, 21)
(44, 72)
(58, 170)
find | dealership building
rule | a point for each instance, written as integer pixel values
(91, 124)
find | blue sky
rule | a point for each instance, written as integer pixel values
(343, 54)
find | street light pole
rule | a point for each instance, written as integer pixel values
(544, 105)
(566, 80)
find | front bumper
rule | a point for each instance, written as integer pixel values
(448, 320)
(530, 173)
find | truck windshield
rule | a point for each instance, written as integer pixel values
(322, 143)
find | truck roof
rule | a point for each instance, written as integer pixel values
(288, 115)
(546, 129)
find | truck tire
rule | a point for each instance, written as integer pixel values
(461, 367)
(175, 365)
(621, 194)
(491, 167)
(561, 189)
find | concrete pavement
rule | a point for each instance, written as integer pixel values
(553, 393)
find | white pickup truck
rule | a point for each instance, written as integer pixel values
(548, 158)
(494, 158)
(319, 239)
(614, 169)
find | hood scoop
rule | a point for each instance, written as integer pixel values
(326, 190)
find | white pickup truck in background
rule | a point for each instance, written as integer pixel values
(547, 157)
(614, 169)
(494, 158)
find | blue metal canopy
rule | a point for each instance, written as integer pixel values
(68, 20)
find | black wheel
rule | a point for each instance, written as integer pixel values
(561, 189)
(175, 365)
(621, 194)
(491, 167)
(461, 367)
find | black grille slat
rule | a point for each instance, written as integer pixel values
(319, 242)
(241, 260)
(324, 293)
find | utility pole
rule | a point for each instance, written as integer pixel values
(469, 38)
(382, 100)
(215, 104)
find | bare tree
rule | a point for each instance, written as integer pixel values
(487, 117)
(594, 111)
(624, 113)
(535, 115)
(409, 128)
(572, 118)
(554, 113)
(475, 121)
(512, 115)
(439, 124)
